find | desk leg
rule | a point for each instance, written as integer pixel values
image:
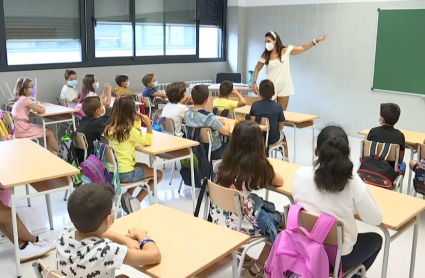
(44, 132)
(266, 197)
(295, 144)
(234, 265)
(15, 231)
(387, 242)
(73, 122)
(314, 133)
(414, 245)
(192, 179)
(409, 184)
(155, 180)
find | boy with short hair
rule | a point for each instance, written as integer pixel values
(199, 117)
(223, 102)
(123, 83)
(88, 249)
(92, 125)
(150, 91)
(176, 107)
(386, 133)
(267, 108)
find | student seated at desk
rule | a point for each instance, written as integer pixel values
(91, 124)
(176, 107)
(245, 167)
(198, 117)
(88, 249)
(123, 132)
(150, 90)
(24, 89)
(69, 93)
(30, 247)
(333, 188)
(386, 133)
(223, 102)
(122, 82)
(90, 85)
(267, 108)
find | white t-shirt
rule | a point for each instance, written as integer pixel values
(175, 111)
(69, 93)
(91, 257)
(90, 94)
(342, 205)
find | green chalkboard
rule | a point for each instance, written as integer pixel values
(400, 51)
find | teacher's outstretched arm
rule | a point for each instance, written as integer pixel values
(300, 49)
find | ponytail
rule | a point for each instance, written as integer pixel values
(333, 166)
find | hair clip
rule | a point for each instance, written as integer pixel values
(121, 96)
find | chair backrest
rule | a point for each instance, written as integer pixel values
(230, 76)
(168, 126)
(392, 156)
(110, 156)
(231, 114)
(62, 102)
(8, 121)
(148, 104)
(225, 198)
(43, 271)
(206, 135)
(80, 142)
(421, 151)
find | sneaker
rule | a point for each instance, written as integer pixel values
(33, 251)
(125, 202)
(134, 204)
(51, 243)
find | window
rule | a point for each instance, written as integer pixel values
(42, 32)
(149, 27)
(210, 16)
(113, 31)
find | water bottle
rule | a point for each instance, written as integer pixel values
(250, 78)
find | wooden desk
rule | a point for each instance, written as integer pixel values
(232, 124)
(293, 119)
(138, 103)
(55, 114)
(25, 162)
(215, 87)
(172, 149)
(249, 101)
(188, 244)
(400, 211)
(413, 139)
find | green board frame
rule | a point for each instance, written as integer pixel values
(400, 51)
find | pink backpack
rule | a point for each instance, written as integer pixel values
(294, 255)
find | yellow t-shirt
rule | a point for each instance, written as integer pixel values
(224, 103)
(126, 150)
(122, 91)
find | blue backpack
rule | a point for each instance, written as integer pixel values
(156, 125)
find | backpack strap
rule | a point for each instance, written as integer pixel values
(373, 149)
(203, 111)
(161, 120)
(155, 119)
(386, 150)
(215, 110)
(258, 119)
(225, 113)
(322, 228)
(294, 210)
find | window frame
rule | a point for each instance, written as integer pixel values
(87, 39)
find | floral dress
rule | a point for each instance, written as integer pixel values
(229, 220)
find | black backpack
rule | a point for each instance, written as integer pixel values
(418, 181)
(375, 170)
(224, 113)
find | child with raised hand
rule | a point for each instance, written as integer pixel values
(331, 187)
(123, 83)
(124, 132)
(90, 85)
(88, 249)
(24, 89)
(69, 92)
(246, 168)
(223, 102)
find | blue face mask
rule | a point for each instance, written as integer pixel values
(72, 83)
(155, 84)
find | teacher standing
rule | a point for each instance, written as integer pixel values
(276, 59)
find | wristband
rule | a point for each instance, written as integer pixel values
(146, 240)
(253, 82)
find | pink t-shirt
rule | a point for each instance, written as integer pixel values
(23, 127)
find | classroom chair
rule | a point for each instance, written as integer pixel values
(10, 124)
(62, 102)
(168, 126)
(219, 112)
(231, 200)
(43, 271)
(392, 156)
(80, 142)
(421, 156)
(335, 237)
(229, 76)
(206, 138)
(112, 159)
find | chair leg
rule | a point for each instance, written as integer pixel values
(66, 195)
(181, 185)
(27, 191)
(171, 177)
(49, 210)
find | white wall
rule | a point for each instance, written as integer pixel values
(334, 79)
(254, 3)
(50, 82)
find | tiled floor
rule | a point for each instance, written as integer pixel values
(36, 220)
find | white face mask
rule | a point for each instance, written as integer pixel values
(128, 83)
(381, 121)
(96, 86)
(269, 46)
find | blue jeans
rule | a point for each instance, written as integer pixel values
(268, 219)
(137, 174)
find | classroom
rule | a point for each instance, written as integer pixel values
(212, 138)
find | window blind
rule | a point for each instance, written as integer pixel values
(180, 11)
(210, 12)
